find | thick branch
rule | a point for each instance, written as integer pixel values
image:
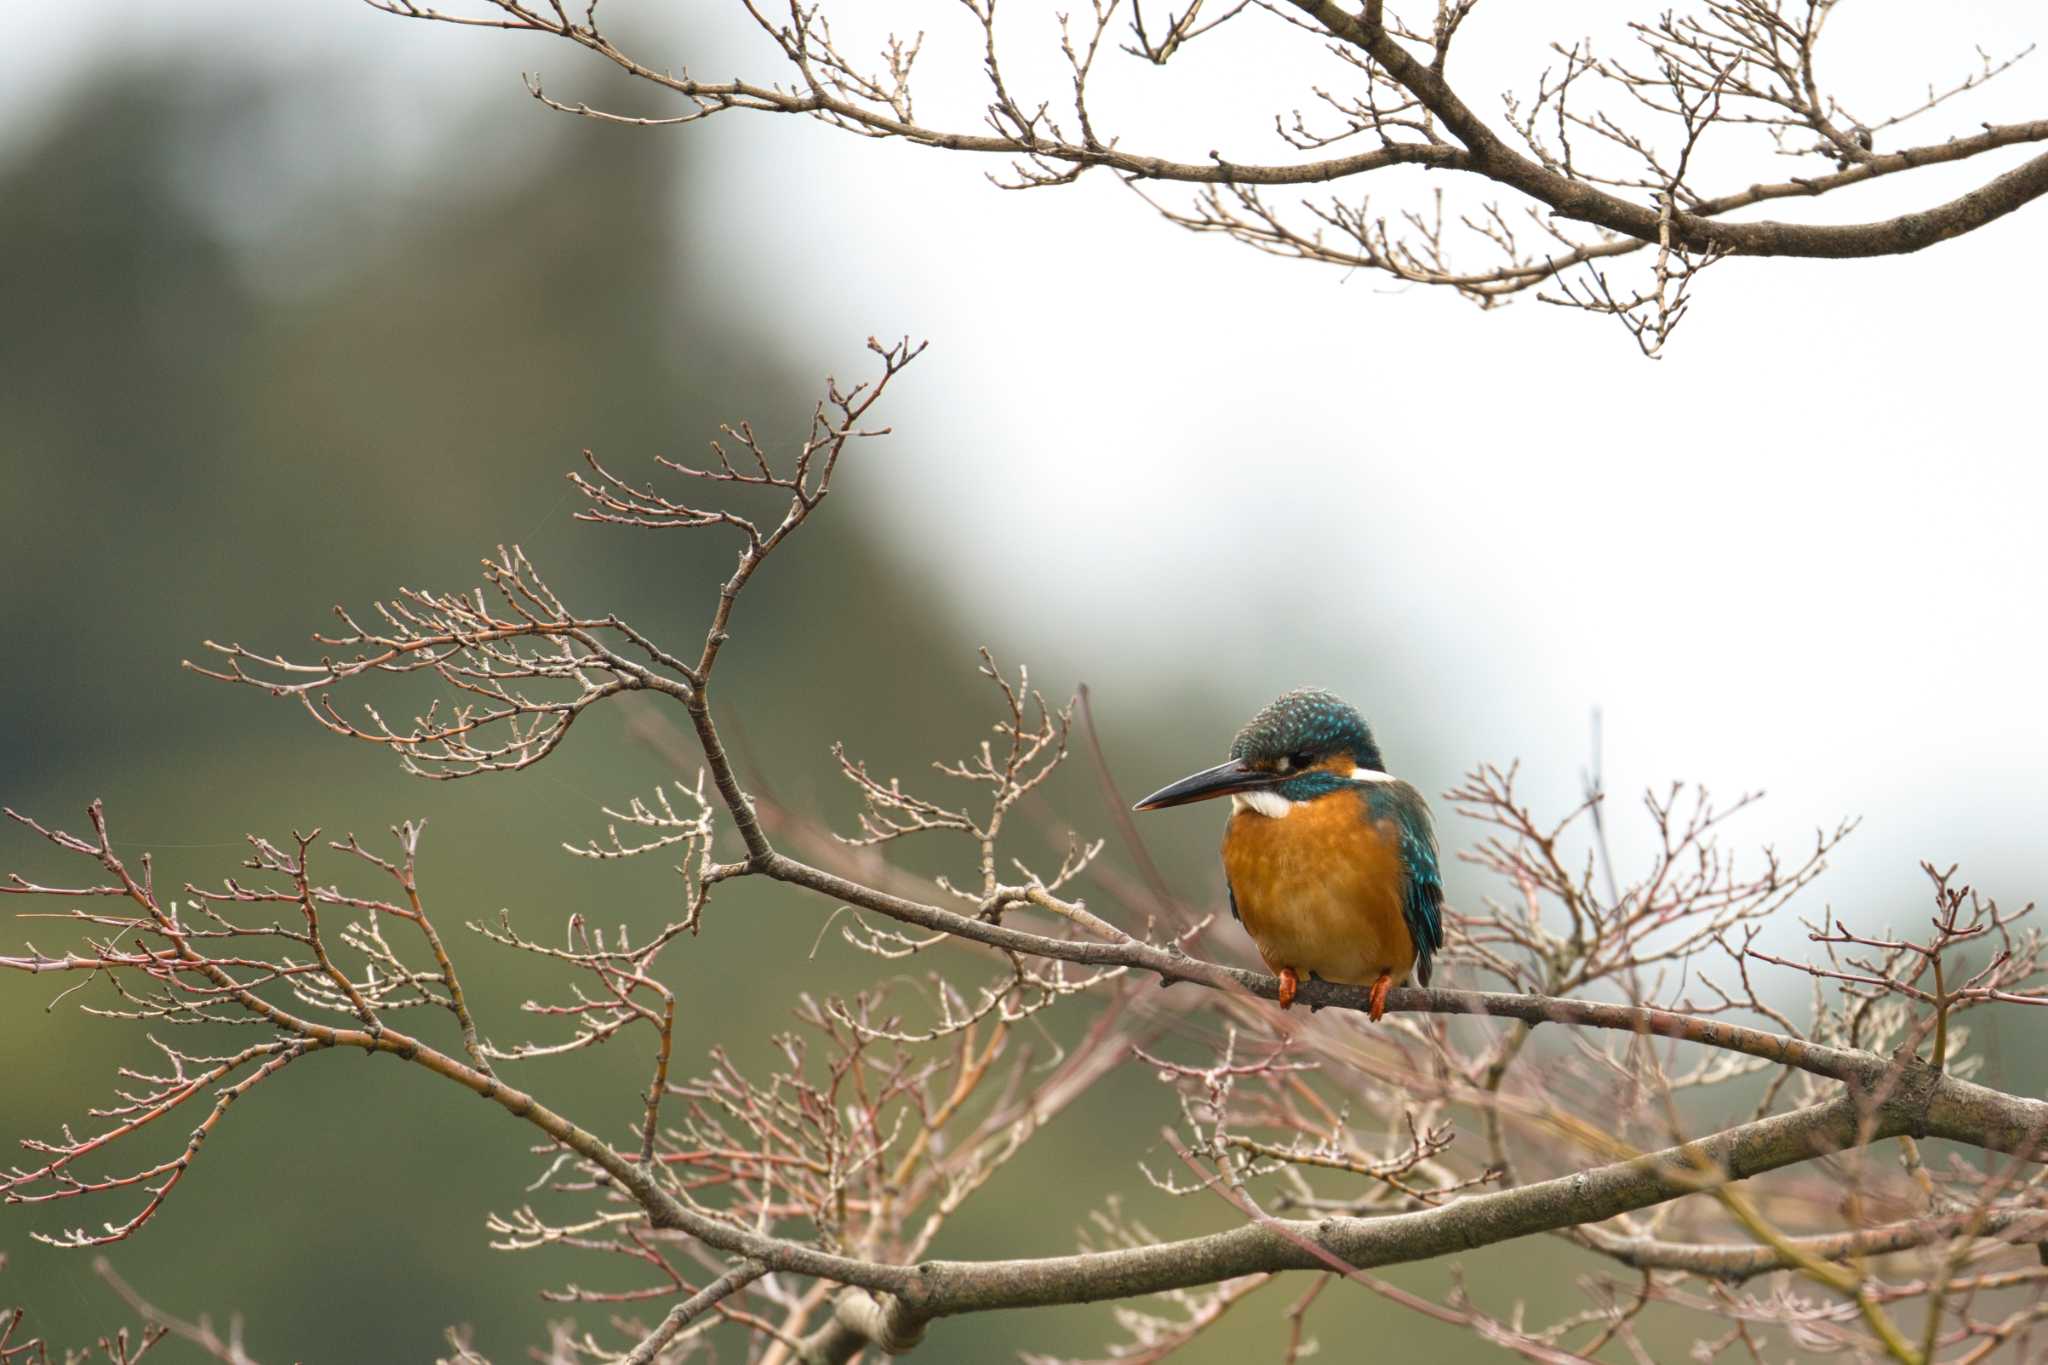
(948, 1287)
(1487, 155)
(1913, 1101)
(1483, 152)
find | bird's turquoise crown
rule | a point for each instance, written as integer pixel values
(1303, 728)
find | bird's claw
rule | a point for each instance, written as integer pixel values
(1290, 982)
(1379, 995)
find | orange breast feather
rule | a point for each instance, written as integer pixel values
(1321, 889)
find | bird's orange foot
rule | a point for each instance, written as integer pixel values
(1379, 995)
(1290, 982)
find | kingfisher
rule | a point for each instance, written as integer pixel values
(1330, 862)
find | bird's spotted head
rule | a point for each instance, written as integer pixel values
(1304, 744)
(1305, 730)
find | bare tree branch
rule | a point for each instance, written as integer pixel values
(1552, 1089)
(1610, 157)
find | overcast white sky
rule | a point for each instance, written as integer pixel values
(1803, 552)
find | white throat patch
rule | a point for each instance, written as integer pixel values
(1370, 775)
(1264, 802)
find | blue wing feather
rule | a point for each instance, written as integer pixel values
(1424, 904)
(1423, 899)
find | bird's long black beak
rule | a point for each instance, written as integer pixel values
(1221, 780)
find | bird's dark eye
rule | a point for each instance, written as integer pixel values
(1301, 760)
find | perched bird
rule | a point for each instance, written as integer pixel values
(1330, 862)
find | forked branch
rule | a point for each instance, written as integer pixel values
(799, 1202)
(1647, 151)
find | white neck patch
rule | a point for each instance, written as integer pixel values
(1370, 775)
(1264, 801)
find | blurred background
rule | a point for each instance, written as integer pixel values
(300, 306)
